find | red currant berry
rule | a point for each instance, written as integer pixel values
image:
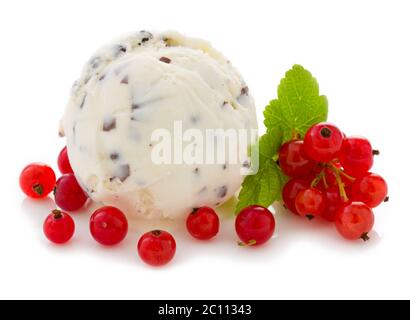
(68, 193)
(310, 203)
(323, 142)
(63, 162)
(290, 192)
(108, 226)
(333, 203)
(203, 223)
(293, 160)
(355, 221)
(59, 227)
(370, 189)
(157, 248)
(37, 180)
(356, 156)
(255, 225)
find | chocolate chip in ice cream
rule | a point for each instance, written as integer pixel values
(102, 78)
(165, 60)
(146, 36)
(245, 91)
(222, 191)
(83, 101)
(194, 119)
(95, 62)
(119, 49)
(125, 80)
(203, 190)
(114, 156)
(61, 133)
(135, 106)
(110, 123)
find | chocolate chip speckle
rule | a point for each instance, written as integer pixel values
(165, 60)
(135, 106)
(194, 119)
(119, 49)
(83, 102)
(124, 80)
(114, 156)
(196, 170)
(222, 191)
(110, 123)
(246, 164)
(102, 78)
(95, 62)
(224, 167)
(245, 91)
(146, 36)
(224, 104)
(203, 190)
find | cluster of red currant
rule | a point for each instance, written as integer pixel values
(330, 178)
(109, 226)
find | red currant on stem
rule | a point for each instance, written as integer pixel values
(63, 162)
(37, 180)
(68, 193)
(290, 192)
(310, 203)
(203, 223)
(323, 142)
(59, 227)
(354, 221)
(293, 160)
(356, 156)
(157, 247)
(371, 189)
(255, 225)
(108, 226)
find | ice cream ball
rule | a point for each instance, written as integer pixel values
(134, 89)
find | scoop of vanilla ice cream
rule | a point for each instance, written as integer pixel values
(139, 84)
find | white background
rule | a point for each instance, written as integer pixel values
(358, 50)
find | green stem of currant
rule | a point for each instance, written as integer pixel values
(325, 181)
(347, 176)
(319, 177)
(295, 135)
(340, 183)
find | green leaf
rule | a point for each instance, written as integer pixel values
(299, 105)
(265, 187)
